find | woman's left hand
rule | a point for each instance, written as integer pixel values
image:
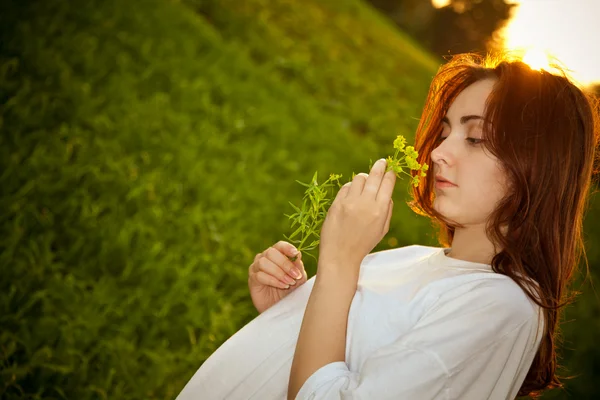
(358, 219)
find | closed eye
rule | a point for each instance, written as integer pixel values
(472, 141)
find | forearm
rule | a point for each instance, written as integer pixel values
(322, 338)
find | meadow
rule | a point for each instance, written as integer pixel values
(148, 151)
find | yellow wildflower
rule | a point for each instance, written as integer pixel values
(411, 152)
(400, 142)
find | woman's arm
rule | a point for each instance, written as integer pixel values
(322, 338)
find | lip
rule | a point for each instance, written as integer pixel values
(441, 185)
(441, 182)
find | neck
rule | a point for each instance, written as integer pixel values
(471, 244)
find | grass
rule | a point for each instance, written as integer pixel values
(148, 151)
(147, 157)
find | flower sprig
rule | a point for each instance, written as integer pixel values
(408, 161)
(310, 217)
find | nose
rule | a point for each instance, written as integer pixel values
(442, 154)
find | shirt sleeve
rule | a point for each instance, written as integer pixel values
(470, 342)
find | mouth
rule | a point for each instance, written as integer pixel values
(439, 180)
(444, 185)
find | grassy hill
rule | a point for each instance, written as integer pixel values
(148, 150)
(147, 155)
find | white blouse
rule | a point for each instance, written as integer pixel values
(421, 326)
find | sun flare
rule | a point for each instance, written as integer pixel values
(537, 59)
(556, 33)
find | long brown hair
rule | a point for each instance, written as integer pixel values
(544, 131)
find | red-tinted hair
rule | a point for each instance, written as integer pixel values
(544, 131)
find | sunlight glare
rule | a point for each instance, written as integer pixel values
(537, 59)
(565, 30)
(440, 3)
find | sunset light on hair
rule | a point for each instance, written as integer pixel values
(537, 59)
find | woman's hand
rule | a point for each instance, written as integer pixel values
(358, 219)
(270, 276)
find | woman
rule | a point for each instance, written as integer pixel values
(511, 152)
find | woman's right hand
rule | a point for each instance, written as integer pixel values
(270, 276)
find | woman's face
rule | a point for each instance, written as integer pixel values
(461, 159)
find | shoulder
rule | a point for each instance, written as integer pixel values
(413, 252)
(489, 296)
(474, 314)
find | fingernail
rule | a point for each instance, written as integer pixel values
(382, 160)
(289, 280)
(296, 273)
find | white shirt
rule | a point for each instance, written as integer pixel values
(421, 326)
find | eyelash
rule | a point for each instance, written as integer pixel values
(472, 141)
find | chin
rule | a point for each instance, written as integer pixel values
(448, 214)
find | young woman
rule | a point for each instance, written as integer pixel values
(511, 153)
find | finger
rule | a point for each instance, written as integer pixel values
(268, 280)
(342, 193)
(375, 177)
(386, 227)
(283, 262)
(297, 261)
(387, 187)
(269, 267)
(253, 268)
(358, 184)
(286, 248)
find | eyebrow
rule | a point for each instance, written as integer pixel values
(463, 120)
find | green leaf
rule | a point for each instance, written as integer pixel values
(315, 258)
(295, 208)
(300, 229)
(291, 216)
(314, 179)
(289, 239)
(304, 206)
(303, 184)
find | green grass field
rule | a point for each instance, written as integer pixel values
(148, 151)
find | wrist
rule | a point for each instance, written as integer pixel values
(338, 272)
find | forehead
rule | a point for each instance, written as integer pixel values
(472, 99)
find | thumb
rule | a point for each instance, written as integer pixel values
(293, 253)
(296, 258)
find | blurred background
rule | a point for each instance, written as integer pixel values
(149, 149)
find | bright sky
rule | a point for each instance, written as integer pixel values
(566, 29)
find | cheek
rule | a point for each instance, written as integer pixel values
(490, 190)
(478, 195)
(490, 176)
